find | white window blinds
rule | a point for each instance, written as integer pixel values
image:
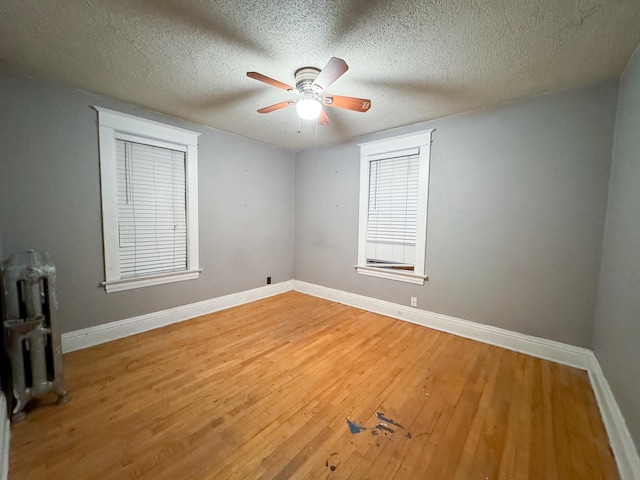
(394, 194)
(151, 204)
(393, 212)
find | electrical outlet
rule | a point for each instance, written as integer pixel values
(268, 280)
(414, 301)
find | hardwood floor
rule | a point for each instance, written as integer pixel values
(264, 391)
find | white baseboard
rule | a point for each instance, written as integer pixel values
(619, 437)
(538, 347)
(91, 336)
(5, 432)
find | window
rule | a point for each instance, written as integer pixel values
(148, 174)
(394, 182)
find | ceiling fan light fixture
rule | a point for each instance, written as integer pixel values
(308, 108)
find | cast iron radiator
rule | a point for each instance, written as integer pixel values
(31, 330)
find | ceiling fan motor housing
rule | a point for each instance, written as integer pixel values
(304, 79)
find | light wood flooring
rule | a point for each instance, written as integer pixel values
(264, 391)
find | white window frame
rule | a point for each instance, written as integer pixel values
(389, 148)
(114, 126)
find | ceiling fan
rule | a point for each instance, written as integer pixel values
(310, 86)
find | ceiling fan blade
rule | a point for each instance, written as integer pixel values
(263, 78)
(348, 103)
(333, 70)
(323, 119)
(276, 106)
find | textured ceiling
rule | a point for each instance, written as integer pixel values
(416, 60)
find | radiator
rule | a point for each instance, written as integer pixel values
(31, 330)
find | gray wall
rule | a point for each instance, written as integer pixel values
(50, 201)
(617, 333)
(516, 215)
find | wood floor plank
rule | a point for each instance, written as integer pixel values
(470, 462)
(264, 390)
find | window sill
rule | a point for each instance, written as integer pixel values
(140, 282)
(407, 277)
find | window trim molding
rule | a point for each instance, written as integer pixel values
(388, 148)
(112, 126)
